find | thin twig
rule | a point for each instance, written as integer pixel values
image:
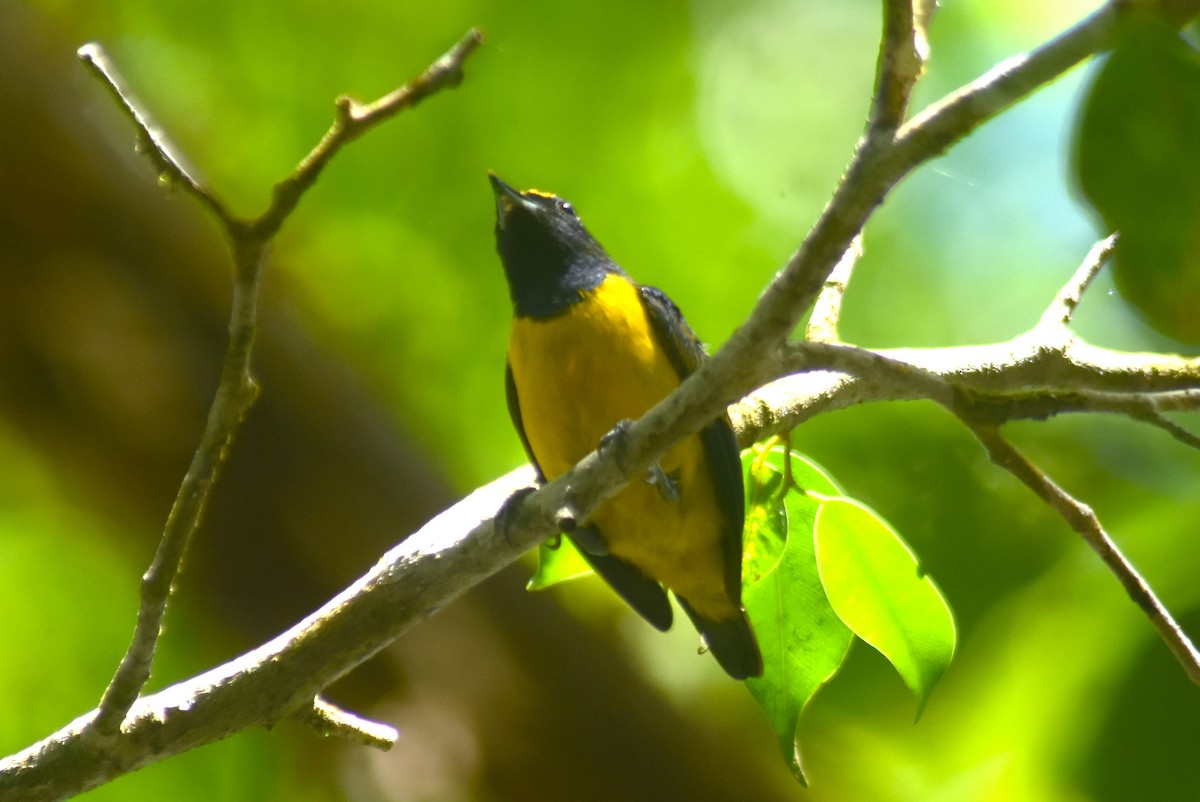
(237, 390)
(352, 120)
(827, 309)
(330, 720)
(1083, 520)
(1152, 415)
(958, 114)
(995, 408)
(880, 369)
(902, 54)
(234, 395)
(1178, 400)
(153, 142)
(1063, 306)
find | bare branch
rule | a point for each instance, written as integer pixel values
(353, 119)
(1152, 415)
(153, 141)
(330, 720)
(1034, 376)
(827, 309)
(429, 569)
(1063, 306)
(423, 574)
(958, 114)
(876, 365)
(234, 396)
(237, 390)
(903, 50)
(1083, 520)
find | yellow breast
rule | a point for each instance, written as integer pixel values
(576, 376)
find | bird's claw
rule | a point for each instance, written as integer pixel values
(616, 440)
(668, 487)
(506, 516)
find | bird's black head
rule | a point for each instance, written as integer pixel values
(549, 258)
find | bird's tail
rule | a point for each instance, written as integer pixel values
(731, 641)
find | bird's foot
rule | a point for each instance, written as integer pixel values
(506, 516)
(667, 487)
(617, 439)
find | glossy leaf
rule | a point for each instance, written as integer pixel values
(877, 587)
(802, 640)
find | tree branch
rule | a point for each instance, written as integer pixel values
(237, 390)
(330, 720)
(234, 396)
(902, 53)
(752, 355)
(281, 678)
(1083, 520)
(1061, 309)
(1044, 372)
(152, 140)
(827, 308)
(431, 567)
(352, 119)
(452, 553)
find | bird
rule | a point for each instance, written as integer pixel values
(589, 350)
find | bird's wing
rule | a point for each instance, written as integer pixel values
(514, 412)
(720, 445)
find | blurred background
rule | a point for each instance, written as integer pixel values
(698, 141)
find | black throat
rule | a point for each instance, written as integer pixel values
(549, 258)
(545, 281)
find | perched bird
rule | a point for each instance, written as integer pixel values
(589, 350)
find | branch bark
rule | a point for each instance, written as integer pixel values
(282, 678)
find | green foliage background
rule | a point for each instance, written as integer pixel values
(698, 140)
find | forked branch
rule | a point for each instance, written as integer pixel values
(236, 391)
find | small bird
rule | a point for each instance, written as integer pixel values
(590, 349)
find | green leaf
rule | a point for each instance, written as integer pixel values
(876, 586)
(1138, 164)
(802, 640)
(557, 562)
(763, 539)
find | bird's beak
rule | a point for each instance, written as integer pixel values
(507, 198)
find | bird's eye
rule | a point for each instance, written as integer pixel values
(566, 207)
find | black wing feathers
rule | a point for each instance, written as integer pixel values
(514, 412)
(638, 590)
(720, 446)
(731, 640)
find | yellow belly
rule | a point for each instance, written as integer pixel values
(580, 373)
